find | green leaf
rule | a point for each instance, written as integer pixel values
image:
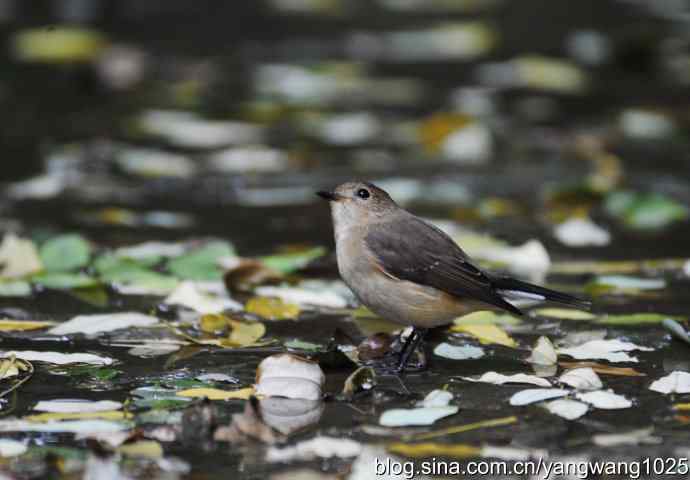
(645, 211)
(15, 289)
(633, 319)
(65, 252)
(64, 281)
(202, 263)
(290, 262)
(128, 272)
(564, 313)
(296, 344)
(96, 296)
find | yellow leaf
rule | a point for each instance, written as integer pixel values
(272, 308)
(56, 417)
(435, 129)
(486, 334)
(217, 394)
(494, 422)
(564, 313)
(486, 317)
(422, 450)
(244, 333)
(213, 323)
(8, 325)
(142, 449)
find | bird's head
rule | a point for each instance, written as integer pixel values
(359, 202)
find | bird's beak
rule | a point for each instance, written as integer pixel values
(330, 196)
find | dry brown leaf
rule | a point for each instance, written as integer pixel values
(603, 369)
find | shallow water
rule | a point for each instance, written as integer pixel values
(52, 106)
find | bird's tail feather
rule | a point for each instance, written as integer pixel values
(518, 289)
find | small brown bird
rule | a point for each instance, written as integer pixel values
(409, 271)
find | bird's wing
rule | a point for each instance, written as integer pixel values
(411, 249)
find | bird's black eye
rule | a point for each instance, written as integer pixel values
(363, 193)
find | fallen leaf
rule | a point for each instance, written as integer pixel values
(217, 394)
(272, 308)
(425, 450)
(486, 334)
(645, 211)
(675, 382)
(603, 369)
(8, 325)
(290, 376)
(458, 352)
(499, 379)
(581, 232)
(18, 257)
(60, 45)
(65, 252)
(297, 344)
(405, 417)
(201, 263)
(76, 406)
(632, 319)
(581, 379)
(303, 296)
(248, 425)
(244, 333)
(642, 436)
(11, 448)
(59, 417)
(93, 324)
(437, 398)
(568, 409)
(611, 350)
(288, 415)
(624, 284)
(187, 294)
(58, 358)
(494, 422)
(564, 313)
(142, 449)
(604, 399)
(543, 353)
(317, 447)
(17, 288)
(289, 262)
(676, 329)
(64, 280)
(245, 274)
(486, 317)
(533, 395)
(68, 426)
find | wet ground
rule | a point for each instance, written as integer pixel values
(590, 120)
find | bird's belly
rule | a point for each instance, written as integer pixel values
(401, 301)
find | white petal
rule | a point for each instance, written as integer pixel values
(500, 379)
(76, 406)
(604, 399)
(458, 352)
(568, 409)
(58, 358)
(532, 395)
(582, 379)
(403, 417)
(543, 352)
(675, 382)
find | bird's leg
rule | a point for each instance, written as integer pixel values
(410, 346)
